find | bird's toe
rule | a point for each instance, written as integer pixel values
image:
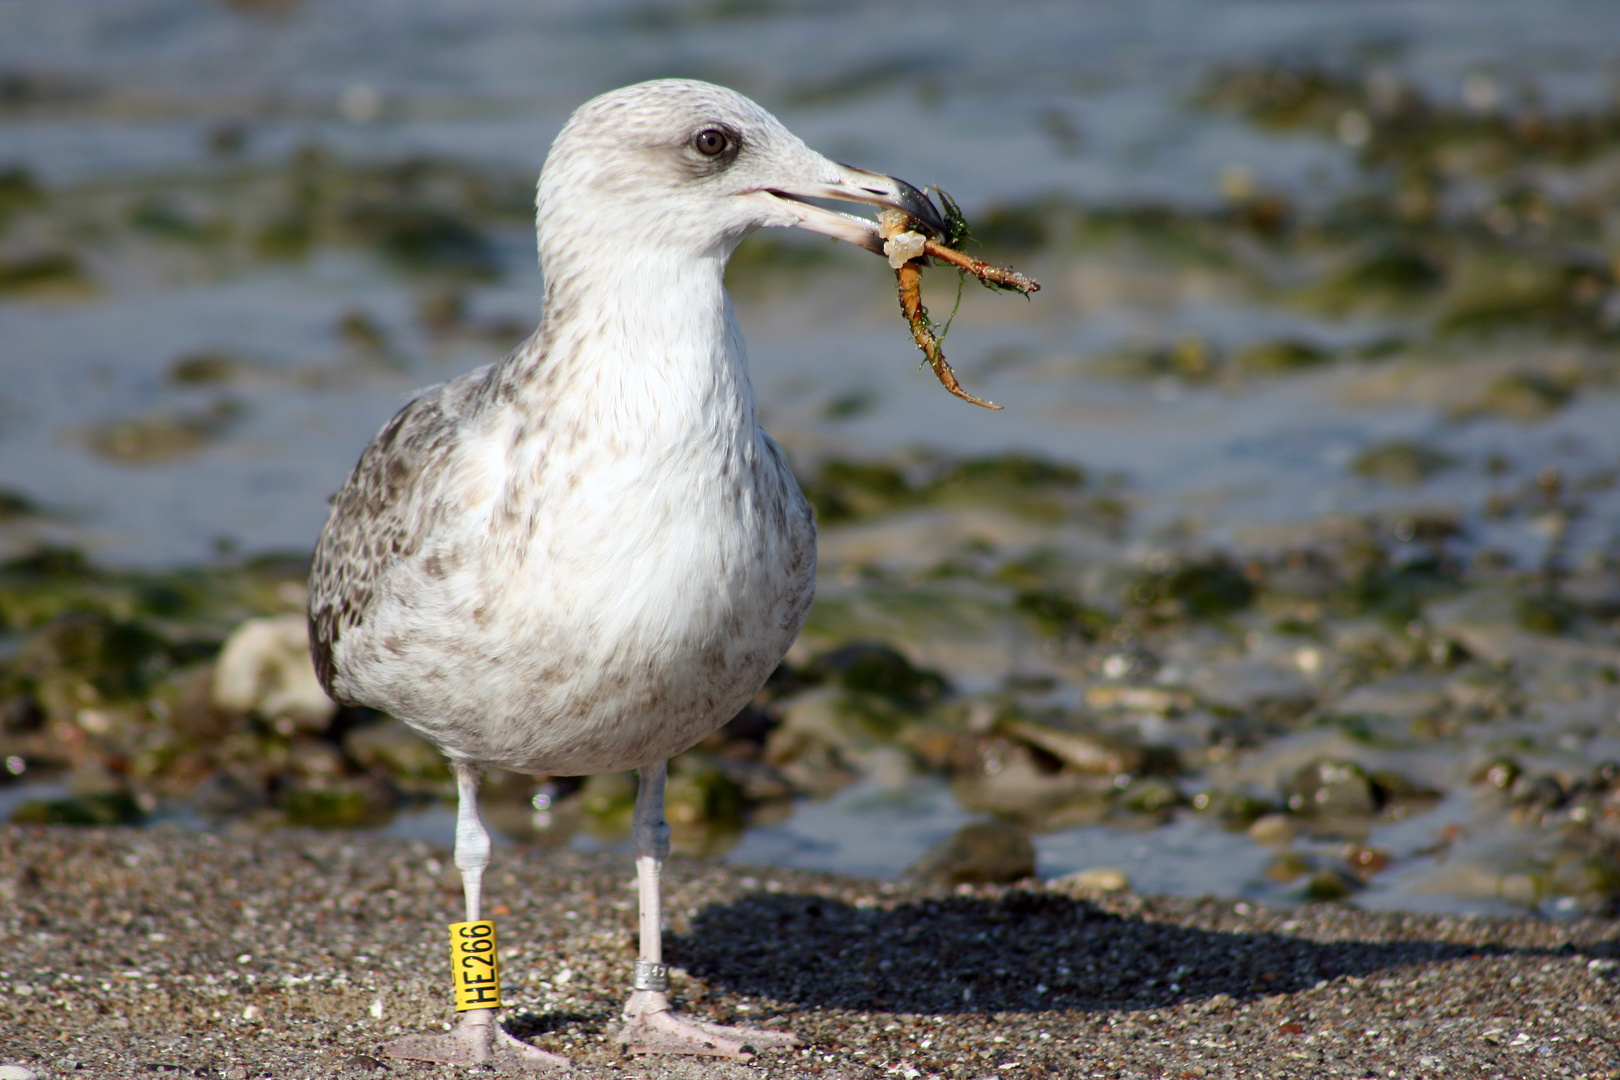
(472, 1045)
(664, 1032)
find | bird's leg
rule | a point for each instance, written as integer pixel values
(476, 1037)
(651, 1026)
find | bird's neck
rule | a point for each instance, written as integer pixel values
(645, 347)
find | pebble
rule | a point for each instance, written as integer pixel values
(1331, 883)
(399, 751)
(1082, 750)
(265, 669)
(1274, 830)
(1153, 699)
(1366, 861)
(985, 852)
(1332, 788)
(995, 775)
(1098, 879)
(17, 1072)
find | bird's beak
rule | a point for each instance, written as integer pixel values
(855, 185)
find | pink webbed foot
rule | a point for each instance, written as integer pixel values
(652, 1027)
(472, 1042)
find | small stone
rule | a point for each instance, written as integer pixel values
(1152, 699)
(1274, 830)
(996, 775)
(1539, 792)
(1235, 809)
(1098, 879)
(1081, 750)
(1397, 793)
(986, 852)
(1150, 795)
(1329, 788)
(1288, 866)
(393, 747)
(1331, 883)
(12, 1071)
(1365, 861)
(1499, 773)
(265, 669)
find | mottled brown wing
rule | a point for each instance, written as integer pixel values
(382, 515)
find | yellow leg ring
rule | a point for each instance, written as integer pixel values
(475, 966)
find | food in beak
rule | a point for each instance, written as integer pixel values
(908, 249)
(910, 231)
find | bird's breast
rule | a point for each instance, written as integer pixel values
(606, 610)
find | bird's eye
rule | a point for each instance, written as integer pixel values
(710, 142)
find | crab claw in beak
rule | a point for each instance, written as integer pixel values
(857, 185)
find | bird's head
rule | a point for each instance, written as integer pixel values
(687, 169)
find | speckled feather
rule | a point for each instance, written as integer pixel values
(588, 556)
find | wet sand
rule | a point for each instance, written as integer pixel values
(293, 954)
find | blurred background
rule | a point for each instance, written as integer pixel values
(1288, 572)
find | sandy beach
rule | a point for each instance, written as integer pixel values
(161, 953)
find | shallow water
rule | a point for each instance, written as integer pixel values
(489, 84)
(1095, 102)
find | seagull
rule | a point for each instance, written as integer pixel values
(589, 556)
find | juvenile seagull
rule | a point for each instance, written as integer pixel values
(589, 556)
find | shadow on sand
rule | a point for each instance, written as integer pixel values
(1020, 952)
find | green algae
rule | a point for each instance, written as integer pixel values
(345, 803)
(206, 368)
(1061, 616)
(842, 491)
(1392, 119)
(45, 274)
(1203, 588)
(1279, 357)
(1234, 809)
(1401, 462)
(165, 436)
(419, 216)
(1524, 395)
(878, 670)
(15, 506)
(89, 811)
(424, 239)
(1033, 487)
(704, 806)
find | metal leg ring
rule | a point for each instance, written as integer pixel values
(650, 976)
